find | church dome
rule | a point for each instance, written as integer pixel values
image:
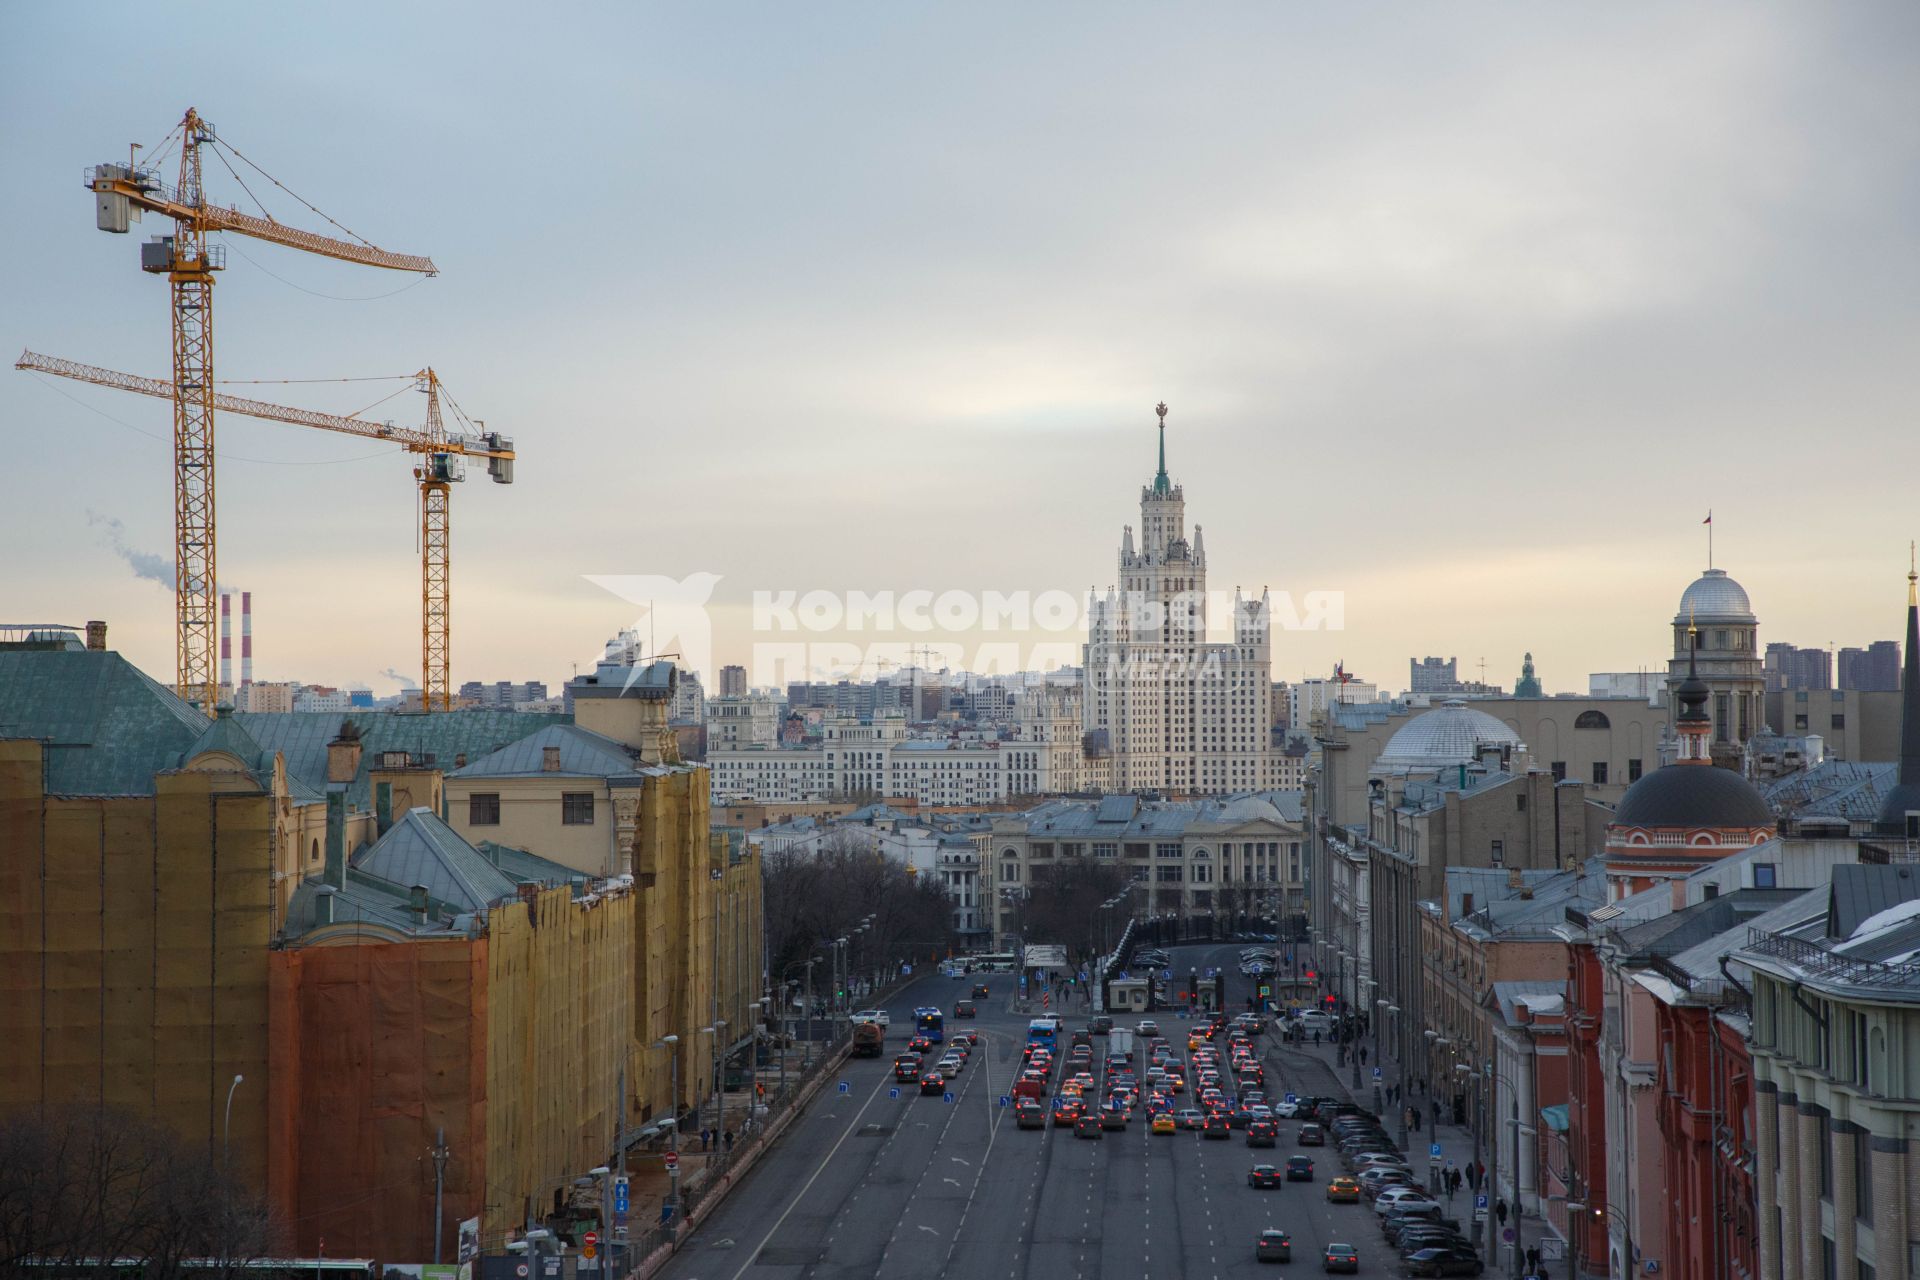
(1714, 597)
(1692, 795)
(1451, 734)
(1249, 809)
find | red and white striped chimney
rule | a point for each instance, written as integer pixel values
(246, 637)
(226, 640)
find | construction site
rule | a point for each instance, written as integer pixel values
(296, 936)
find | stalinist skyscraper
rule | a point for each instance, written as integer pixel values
(1165, 710)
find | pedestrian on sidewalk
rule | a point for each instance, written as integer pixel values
(1363, 1055)
(1316, 1035)
(729, 1141)
(1533, 1261)
(1473, 1177)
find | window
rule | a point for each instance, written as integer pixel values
(1168, 875)
(483, 809)
(1499, 854)
(1800, 721)
(1559, 770)
(1839, 721)
(1633, 769)
(1825, 1140)
(1764, 875)
(1710, 891)
(1599, 773)
(1592, 720)
(1166, 851)
(576, 808)
(314, 856)
(1520, 802)
(1104, 850)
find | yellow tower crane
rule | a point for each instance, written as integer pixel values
(121, 192)
(440, 465)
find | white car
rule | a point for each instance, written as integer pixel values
(1394, 1195)
(873, 1015)
(1286, 1110)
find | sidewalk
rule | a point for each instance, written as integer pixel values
(1310, 1069)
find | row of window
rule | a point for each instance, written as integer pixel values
(576, 809)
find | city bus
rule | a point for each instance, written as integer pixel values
(998, 962)
(931, 1023)
(1043, 1031)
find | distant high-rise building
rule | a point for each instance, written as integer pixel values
(1528, 685)
(1791, 667)
(1874, 668)
(1167, 708)
(733, 682)
(1431, 675)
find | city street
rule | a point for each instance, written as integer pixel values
(869, 1184)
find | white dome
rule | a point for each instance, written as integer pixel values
(1249, 809)
(1450, 734)
(1714, 597)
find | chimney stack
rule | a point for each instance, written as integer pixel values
(417, 903)
(246, 637)
(343, 754)
(97, 637)
(550, 759)
(226, 639)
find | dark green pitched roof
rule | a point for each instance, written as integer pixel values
(109, 727)
(302, 737)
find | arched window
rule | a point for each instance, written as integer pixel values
(1592, 720)
(315, 855)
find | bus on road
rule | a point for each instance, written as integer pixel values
(1044, 1031)
(931, 1023)
(998, 962)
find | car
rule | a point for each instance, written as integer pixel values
(1311, 1135)
(1190, 1118)
(1285, 1110)
(873, 1015)
(969, 1037)
(932, 1083)
(1273, 1245)
(1445, 1261)
(1394, 1195)
(1262, 1133)
(1343, 1191)
(1113, 1118)
(1403, 1219)
(1101, 1025)
(950, 1067)
(1264, 1176)
(980, 991)
(1087, 1127)
(920, 1044)
(1299, 1169)
(1216, 1126)
(1423, 1233)
(963, 1009)
(1163, 1122)
(1147, 1027)
(1029, 1115)
(1067, 1111)
(1342, 1257)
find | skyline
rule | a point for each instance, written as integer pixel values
(1470, 317)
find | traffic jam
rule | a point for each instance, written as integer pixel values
(1101, 1079)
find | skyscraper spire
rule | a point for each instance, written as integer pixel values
(1160, 482)
(1900, 811)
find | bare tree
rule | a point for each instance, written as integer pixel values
(86, 1191)
(814, 896)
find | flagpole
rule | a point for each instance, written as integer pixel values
(1709, 537)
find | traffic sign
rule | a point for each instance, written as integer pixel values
(1479, 1202)
(893, 1093)
(1434, 1151)
(673, 1159)
(1291, 1097)
(1507, 1235)
(1005, 1101)
(592, 1239)
(845, 1087)
(946, 1097)
(1376, 1073)
(520, 1269)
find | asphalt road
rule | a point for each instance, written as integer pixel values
(867, 1184)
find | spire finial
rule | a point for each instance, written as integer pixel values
(1160, 482)
(1913, 576)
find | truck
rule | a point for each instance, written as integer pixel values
(869, 1039)
(1120, 1044)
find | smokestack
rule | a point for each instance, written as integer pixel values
(226, 640)
(246, 637)
(97, 636)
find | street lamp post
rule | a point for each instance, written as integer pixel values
(1603, 1211)
(672, 1045)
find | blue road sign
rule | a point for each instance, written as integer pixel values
(845, 1087)
(1376, 1073)
(1434, 1151)
(1005, 1101)
(893, 1093)
(1479, 1202)
(1212, 971)
(1166, 975)
(1291, 1097)
(946, 1097)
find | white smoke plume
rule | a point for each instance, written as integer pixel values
(143, 563)
(405, 683)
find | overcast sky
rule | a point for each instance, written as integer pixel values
(1469, 312)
